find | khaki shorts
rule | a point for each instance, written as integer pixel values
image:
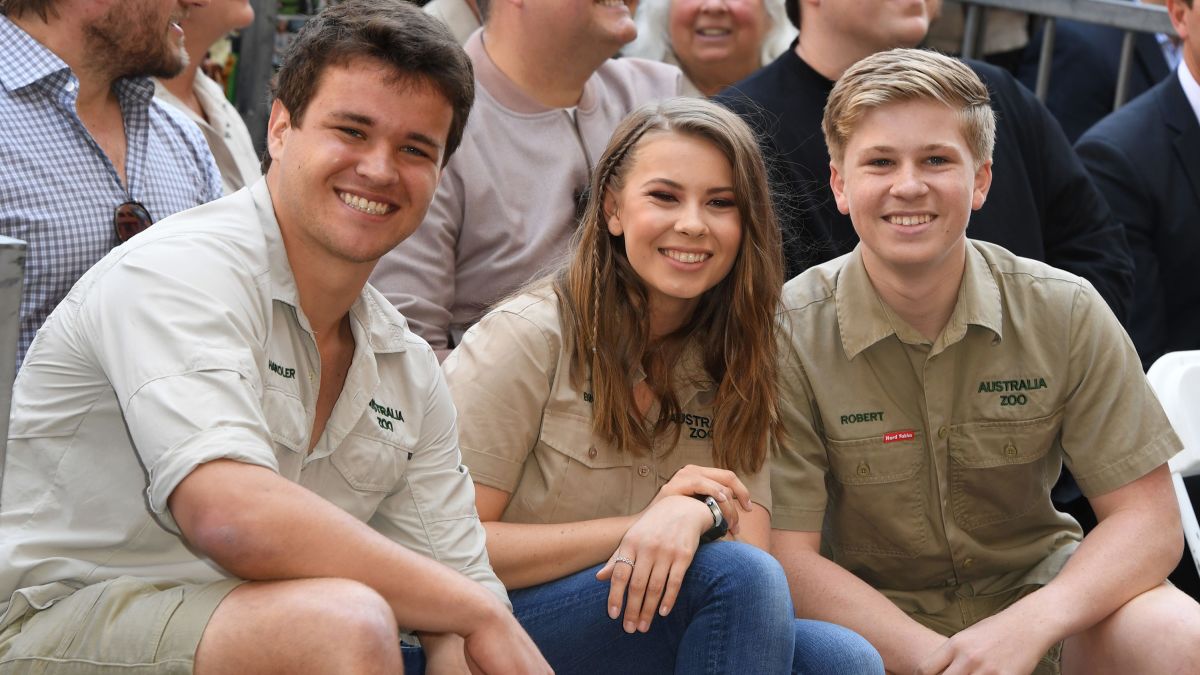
(967, 610)
(124, 625)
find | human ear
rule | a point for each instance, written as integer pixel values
(277, 127)
(838, 184)
(983, 183)
(611, 215)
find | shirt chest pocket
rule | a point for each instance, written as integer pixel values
(579, 478)
(877, 496)
(1002, 470)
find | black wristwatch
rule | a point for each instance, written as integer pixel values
(720, 525)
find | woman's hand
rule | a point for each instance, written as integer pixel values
(720, 484)
(648, 566)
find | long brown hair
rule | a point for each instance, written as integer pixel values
(605, 313)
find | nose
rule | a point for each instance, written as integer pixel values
(712, 5)
(378, 165)
(691, 222)
(909, 183)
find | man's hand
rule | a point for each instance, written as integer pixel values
(499, 645)
(1003, 644)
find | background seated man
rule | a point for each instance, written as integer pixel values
(1146, 158)
(926, 435)
(550, 96)
(226, 451)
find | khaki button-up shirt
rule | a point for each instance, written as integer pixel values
(188, 345)
(928, 466)
(526, 428)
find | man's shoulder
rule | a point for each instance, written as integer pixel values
(775, 86)
(170, 123)
(641, 79)
(813, 287)
(1009, 269)
(1138, 121)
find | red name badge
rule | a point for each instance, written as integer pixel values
(893, 436)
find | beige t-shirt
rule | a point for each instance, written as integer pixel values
(928, 466)
(186, 345)
(526, 429)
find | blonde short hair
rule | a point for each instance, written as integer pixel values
(901, 75)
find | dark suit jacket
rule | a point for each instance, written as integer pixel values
(1083, 76)
(1146, 160)
(1042, 204)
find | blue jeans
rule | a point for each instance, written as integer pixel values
(733, 615)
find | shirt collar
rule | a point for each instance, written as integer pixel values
(506, 92)
(863, 319)
(1191, 89)
(382, 326)
(24, 60)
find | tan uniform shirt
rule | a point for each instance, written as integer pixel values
(527, 430)
(187, 345)
(928, 467)
(226, 133)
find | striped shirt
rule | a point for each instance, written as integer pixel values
(58, 189)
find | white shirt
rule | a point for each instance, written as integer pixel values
(226, 133)
(187, 345)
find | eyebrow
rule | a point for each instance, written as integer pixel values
(943, 147)
(670, 183)
(367, 121)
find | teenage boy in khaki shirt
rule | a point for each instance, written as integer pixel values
(923, 438)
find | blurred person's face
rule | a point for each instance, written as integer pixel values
(220, 17)
(878, 25)
(142, 37)
(718, 35)
(1187, 24)
(602, 22)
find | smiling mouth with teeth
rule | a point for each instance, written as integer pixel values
(365, 205)
(910, 220)
(685, 257)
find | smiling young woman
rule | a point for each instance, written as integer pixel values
(616, 416)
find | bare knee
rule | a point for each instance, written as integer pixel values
(1156, 632)
(304, 625)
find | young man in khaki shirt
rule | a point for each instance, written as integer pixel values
(228, 454)
(924, 433)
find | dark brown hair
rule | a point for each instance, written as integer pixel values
(417, 46)
(605, 311)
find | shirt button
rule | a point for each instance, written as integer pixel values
(968, 562)
(863, 469)
(942, 431)
(592, 452)
(643, 471)
(1010, 450)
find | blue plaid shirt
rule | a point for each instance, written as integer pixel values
(58, 189)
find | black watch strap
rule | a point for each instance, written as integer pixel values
(720, 525)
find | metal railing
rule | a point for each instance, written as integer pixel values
(1128, 16)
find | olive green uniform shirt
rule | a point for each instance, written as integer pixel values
(928, 466)
(526, 429)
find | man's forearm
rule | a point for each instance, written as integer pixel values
(1134, 547)
(260, 526)
(821, 589)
